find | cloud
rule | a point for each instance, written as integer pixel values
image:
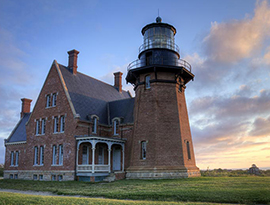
(220, 108)
(232, 41)
(261, 127)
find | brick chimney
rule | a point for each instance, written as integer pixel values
(72, 60)
(118, 81)
(26, 104)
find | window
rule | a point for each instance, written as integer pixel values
(35, 176)
(143, 149)
(85, 155)
(147, 82)
(149, 58)
(61, 154)
(41, 160)
(15, 176)
(60, 177)
(100, 155)
(62, 123)
(188, 150)
(54, 96)
(37, 127)
(115, 127)
(94, 128)
(53, 177)
(43, 125)
(17, 159)
(12, 159)
(36, 156)
(56, 124)
(41, 177)
(54, 159)
(48, 100)
(11, 176)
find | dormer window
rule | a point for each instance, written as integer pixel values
(48, 100)
(115, 126)
(54, 97)
(94, 126)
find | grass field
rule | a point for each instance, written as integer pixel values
(21, 199)
(245, 190)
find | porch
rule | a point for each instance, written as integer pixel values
(99, 156)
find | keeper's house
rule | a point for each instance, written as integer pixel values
(83, 129)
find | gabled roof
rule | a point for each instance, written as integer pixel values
(19, 132)
(90, 96)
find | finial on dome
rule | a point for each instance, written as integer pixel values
(158, 19)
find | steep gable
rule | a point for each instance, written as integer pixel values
(89, 95)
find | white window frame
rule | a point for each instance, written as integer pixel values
(62, 123)
(43, 125)
(56, 125)
(41, 155)
(37, 127)
(61, 154)
(147, 82)
(87, 155)
(17, 158)
(94, 125)
(115, 126)
(54, 98)
(36, 155)
(12, 158)
(54, 159)
(48, 100)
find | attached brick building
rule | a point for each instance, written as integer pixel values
(82, 128)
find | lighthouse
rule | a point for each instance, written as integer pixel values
(161, 143)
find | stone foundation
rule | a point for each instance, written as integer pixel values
(162, 173)
(40, 175)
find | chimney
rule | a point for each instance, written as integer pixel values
(26, 104)
(118, 81)
(72, 60)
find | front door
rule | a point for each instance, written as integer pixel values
(116, 159)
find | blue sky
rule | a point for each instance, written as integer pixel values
(227, 43)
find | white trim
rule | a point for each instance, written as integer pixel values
(61, 154)
(65, 88)
(13, 143)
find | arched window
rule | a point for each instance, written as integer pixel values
(116, 127)
(143, 150)
(94, 126)
(147, 82)
(188, 150)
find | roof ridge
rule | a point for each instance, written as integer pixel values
(92, 78)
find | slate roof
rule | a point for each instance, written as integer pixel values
(93, 97)
(122, 109)
(19, 132)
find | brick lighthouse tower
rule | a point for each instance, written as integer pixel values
(162, 145)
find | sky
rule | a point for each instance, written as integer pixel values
(226, 42)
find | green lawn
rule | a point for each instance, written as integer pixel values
(204, 189)
(20, 199)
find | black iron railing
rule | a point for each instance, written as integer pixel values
(160, 61)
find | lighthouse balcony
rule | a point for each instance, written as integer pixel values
(160, 61)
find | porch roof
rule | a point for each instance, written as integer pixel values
(100, 139)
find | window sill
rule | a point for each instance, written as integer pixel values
(38, 165)
(57, 165)
(59, 132)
